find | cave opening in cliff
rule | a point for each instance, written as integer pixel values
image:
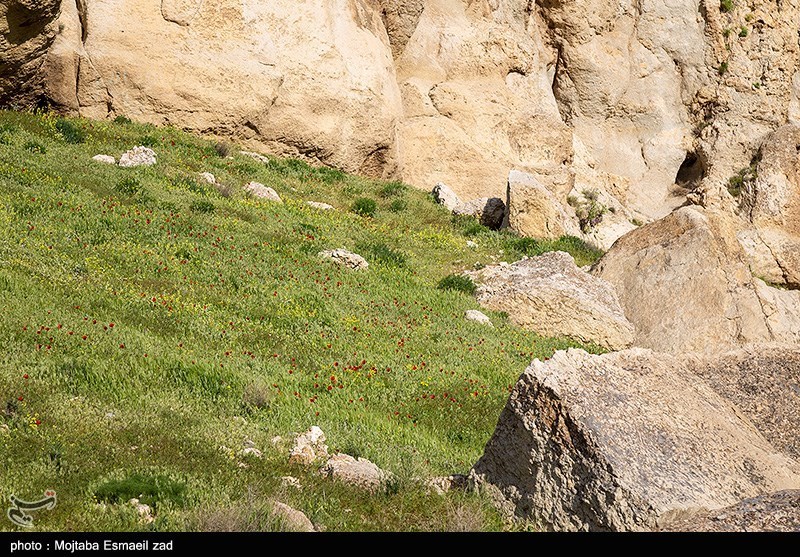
(691, 172)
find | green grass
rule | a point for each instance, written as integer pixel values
(147, 339)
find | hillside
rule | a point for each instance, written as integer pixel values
(154, 326)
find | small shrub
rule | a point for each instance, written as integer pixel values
(392, 189)
(636, 222)
(149, 141)
(589, 210)
(459, 283)
(468, 226)
(128, 186)
(398, 206)
(726, 6)
(35, 147)
(723, 68)
(222, 149)
(727, 32)
(258, 394)
(382, 253)
(149, 489)
(330, 175)
(70, 132)
(189, 183)
(5, 138)
(202, 206)
(365, 206)
(743, 32)
(123, 120)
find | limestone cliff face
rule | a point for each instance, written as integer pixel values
(649, 103)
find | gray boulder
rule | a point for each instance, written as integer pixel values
(623, 441)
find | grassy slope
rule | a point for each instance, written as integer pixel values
(143, 314)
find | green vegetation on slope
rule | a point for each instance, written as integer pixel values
(152, 324)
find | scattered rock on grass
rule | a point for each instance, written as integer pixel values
(446, 196)
(251, 451)
(255, 156)
(209, 178)
(261, 191)
(309, 447)
(292, 519)
(443, 484)
(345, 258)
(138, 156)
(320, 206)
(105, 159)
(291, 481)
(358, 472)
(144, 511)
(478, 317)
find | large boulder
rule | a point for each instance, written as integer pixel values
(534, 211)
(27, 31)
(764, 383)
(776, 512)
(623, 441)
(685, 285)
(772, 203)
(550, 295)
(302, 78)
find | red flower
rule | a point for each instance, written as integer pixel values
(25, 376)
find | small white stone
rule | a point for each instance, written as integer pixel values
(261, 191)
(138, 156)
(105, 159)
(208, 177)
(252, 451)
(471, 244)
(320, 206)
(478, 317)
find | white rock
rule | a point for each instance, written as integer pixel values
(252, 451)
(255, 156)
(320, 206)
(208, 177)
(345, 258)
(144, 511)
(138, 156)
(291, 481)
(471, 244)
(261, 191)
(309, 447)
(446, 196)
(292, 519)
(358, 472)
(478, 317)
(105, 159)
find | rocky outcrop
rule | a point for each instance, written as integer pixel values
(310, 79)
(260, 191)
(623, 441)
(764, 383)
(776, 512)
(27, 31)
(550, 295)
(477, 96)
(684, 283)
(771, 202)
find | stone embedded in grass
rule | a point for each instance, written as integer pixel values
(478, 317)
(320, 206)
(291, 519)
(138, 156)
(309, 447)
(251, 451)
(446, 196)
(208, 177)
(345, 258)
(260, 191)
(255, 156)
(357, 472)
(105, 159)
(144, 511)
(442, 484)
(291, 481)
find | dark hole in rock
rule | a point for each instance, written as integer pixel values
(691, 172)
